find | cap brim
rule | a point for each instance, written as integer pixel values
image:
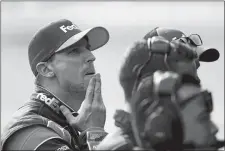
(207, 54)
(97, 36)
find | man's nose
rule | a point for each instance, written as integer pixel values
(214, 128)
(90, 57)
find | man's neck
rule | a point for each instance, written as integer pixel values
(73, 99)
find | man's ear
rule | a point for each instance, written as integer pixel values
(43, 69)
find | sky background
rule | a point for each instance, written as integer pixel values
(126, 23)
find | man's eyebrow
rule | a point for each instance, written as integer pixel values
(88, 46)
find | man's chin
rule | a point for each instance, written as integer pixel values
(78, 91)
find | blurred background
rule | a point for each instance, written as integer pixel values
(126, 23)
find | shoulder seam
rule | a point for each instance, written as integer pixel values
(32, 132)
(45, 141)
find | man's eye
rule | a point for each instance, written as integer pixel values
(74, 51)
(88, 47)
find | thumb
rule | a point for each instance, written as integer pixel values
(82, 107)
(67, 113)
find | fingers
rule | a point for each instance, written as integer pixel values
(158, 44)
(98, 103)
(118, 124)
(121, 115)
(66, 112)
(117, 116)
(90, 91)
(97, 90)
(185, 50)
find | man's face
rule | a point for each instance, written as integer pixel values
(198, 127)
(74, 66)
(187, 65)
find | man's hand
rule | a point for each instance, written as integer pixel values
(122, 120)
(92, 112)
(115, 141)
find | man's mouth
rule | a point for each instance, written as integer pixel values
(90, 73)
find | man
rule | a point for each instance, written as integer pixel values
(195, 106)
(61, 59)
(139, 64)
(183, 65)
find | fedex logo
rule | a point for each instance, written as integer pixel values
(51, 102)
(66, 28)
(44, 98)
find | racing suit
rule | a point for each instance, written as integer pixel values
(39, 125)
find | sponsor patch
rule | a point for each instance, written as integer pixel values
(62, 148)
(51, 102)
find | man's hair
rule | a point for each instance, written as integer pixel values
(138, 54)
(37, 80)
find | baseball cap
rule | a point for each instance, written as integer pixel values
(205, 54)
(59, 35)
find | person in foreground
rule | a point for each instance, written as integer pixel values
(169, 110)
(66, 112)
